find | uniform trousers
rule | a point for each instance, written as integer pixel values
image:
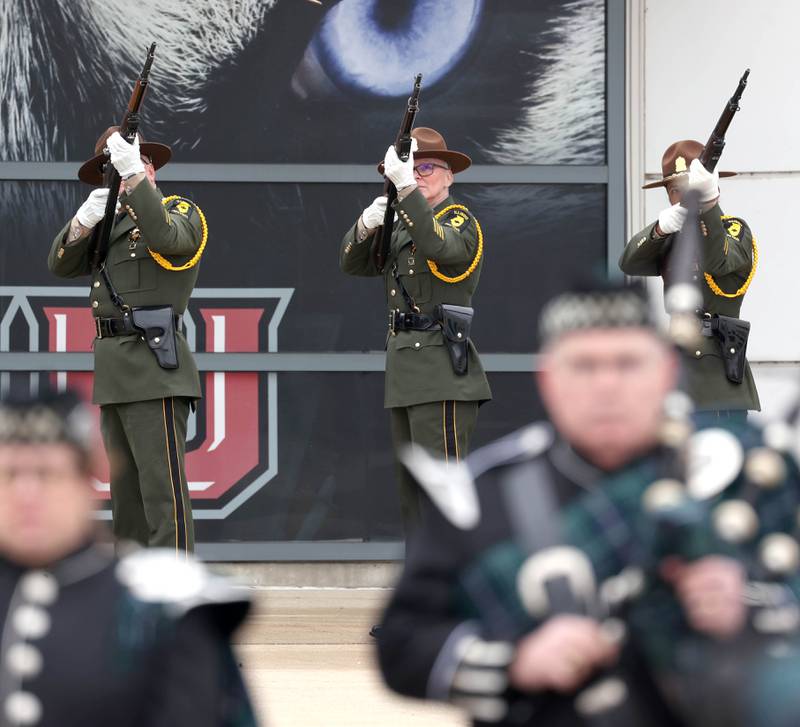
(146, 446)
(444, 428)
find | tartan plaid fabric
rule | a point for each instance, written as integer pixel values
(612, 527)
(455, 576)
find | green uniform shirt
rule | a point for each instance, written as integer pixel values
(418, 368)
(727, 256)
(125, 369)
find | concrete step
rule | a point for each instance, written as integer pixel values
(350, 574)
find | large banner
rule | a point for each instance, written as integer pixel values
(287, 456)
(282, 81)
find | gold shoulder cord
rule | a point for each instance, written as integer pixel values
(474, 264)
(166, 264)
(713, 283)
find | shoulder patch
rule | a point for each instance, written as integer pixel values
(733, 226)
(182, 206)
(457, 218)
(527, 443)
(450, 486)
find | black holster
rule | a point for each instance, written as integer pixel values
(456, 321)
(157, 325)
(732, 335)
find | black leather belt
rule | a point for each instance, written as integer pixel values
(123, 326)
(399, 321)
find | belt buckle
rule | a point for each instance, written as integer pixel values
(98, 328)
(391, 321)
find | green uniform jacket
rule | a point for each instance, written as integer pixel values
(418, 368)
(125, 369)
(727, 256)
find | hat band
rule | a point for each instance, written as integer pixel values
(674, 175)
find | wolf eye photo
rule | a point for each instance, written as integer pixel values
(398, 362)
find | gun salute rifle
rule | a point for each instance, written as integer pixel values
(128, 128)
(402, 146)
(716, 142)
(157, 324)
(684, 299)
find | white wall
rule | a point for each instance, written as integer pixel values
(689, 58)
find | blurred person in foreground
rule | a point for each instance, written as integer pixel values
(87, 638)
(497, 610)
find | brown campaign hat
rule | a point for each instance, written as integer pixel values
(431, 145)
(91, 172)
(676, 161)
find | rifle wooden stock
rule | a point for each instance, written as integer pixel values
(128, 128)
(716, 142)
(402, 145)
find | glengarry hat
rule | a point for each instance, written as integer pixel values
(589, 304)
(91, 172)
(431, 145)
(676, 160)
(48, 417)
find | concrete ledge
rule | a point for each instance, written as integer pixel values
(349, 574)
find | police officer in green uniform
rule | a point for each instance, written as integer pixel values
(434, 379)
(719, 377)
(145, 379)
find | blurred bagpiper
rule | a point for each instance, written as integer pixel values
(580, 574)
(89, 638)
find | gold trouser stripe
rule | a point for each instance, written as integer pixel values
(444, 429)
(173, 465)
(455, 432)
(180, 477)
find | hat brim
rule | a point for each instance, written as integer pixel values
(457, 161)
(663, 182)
(91, 172)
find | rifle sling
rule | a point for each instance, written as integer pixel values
(116, 298)
(409, 301)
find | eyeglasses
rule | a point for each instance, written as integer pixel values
(426, 168)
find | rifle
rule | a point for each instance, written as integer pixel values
(684, 297)
(128, 129)
(402, 145)
(716, 142)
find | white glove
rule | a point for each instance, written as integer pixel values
(94, 208)
(399, 172)
(125, 157)
(705, 182)
(671, 219)
(372, 216)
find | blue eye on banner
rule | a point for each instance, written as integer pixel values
(375, 46)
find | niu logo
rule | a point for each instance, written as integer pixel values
(232, 437)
